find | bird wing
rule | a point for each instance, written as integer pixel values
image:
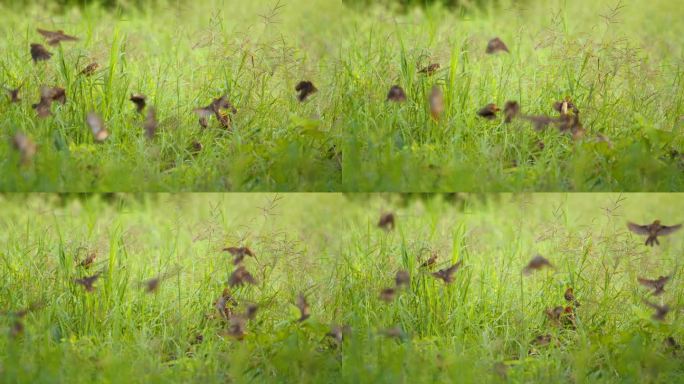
(646, 282)
(666, 230)
(638, 229)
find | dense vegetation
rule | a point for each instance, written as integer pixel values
(615, 60)
(479, 328)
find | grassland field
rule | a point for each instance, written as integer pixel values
(479, 328)
(619, 61)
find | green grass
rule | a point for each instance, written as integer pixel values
(328, 247)
(619, 61)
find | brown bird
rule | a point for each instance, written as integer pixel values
(489, 111)
(511, 110)
(571, 124)
(402, 278)
(501, 369)
(671, 343)
(430, 69)
(151, 285)
(39, 53)
(304, 310)
(196, 147)
(239, 253)
(240, 276)
(393, 333)
(570, 297)
(225, 304)
(658, 285)
(447, 274)
(388, 294)
(56, 37)
(561, 316)
(87, 282)
(17, 317)
(538, 262)
(564, 106)
(236, 326)
(25, 146)
(90, 69)
(660, 310)
(49, 95)
(251, 311)
(150, 125)
(305, 89)
(13, 94)
(339, 332)
(540, 122)
(436, 100)
(97, 126)
(653, 231)
(396, 94)
(542, 340)
(496, 45)
(215, 108)
(88, 261)
(387, 221)
(139, 100)
(430, 261)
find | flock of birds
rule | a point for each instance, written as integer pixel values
(568, 120)
(236, 322)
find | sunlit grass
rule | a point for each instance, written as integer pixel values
(618, 61)
(328, 247)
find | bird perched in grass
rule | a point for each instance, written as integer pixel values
(139, 100)
(652, 231)
(430, 69)
(396, 94)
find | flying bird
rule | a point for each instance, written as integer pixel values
(240, 276)
(239, 253)
(56, 37)
(87, 282)
(305, 89)
(511, 110)
(97, 126)
(660, 310)
(215, 108)
(139, 100)
(40, 53)
(538, 262)
(303, 306)
(436, 101)
(25, 146)
(49, 95)
(388, 294)
(652, 231)
(402, 278)
(564, 106)
(396, 94)
(447, 274)
(658, 285)
(13, 94)
(150, 125)
(496, 45)
(489, 111)
(387, 221)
